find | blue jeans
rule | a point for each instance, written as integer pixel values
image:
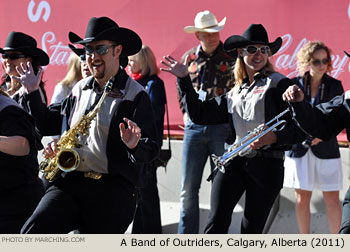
(200, 141)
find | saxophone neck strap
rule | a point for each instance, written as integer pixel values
(108, 87)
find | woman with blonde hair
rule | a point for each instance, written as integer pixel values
(77, 70)
(315, 164)
(255, 99)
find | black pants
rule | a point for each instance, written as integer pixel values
(16, 206)
(345, 222)
(260, 178)
(147, 218)
(106, 205)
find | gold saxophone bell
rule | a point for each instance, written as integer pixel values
(68, 160)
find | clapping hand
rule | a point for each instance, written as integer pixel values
(130, 135)
(174, 67)
(27, 77)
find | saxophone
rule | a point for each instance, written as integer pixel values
(67, 159)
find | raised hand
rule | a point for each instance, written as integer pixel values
(293, 94)
(174, 67)
(27, 77)
(131, 135)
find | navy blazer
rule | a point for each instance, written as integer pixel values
(325, 149)
(156, 90)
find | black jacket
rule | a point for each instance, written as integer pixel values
(155, 88)
(17, 170)
(332, 87)
(21, 98)
(334, 116)
(104, 148)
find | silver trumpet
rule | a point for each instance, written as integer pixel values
(242, 148)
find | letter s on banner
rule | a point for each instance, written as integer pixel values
(43, 5)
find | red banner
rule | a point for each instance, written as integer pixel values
(160, 24)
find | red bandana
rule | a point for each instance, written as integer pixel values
(136, 76)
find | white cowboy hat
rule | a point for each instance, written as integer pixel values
(205, 21)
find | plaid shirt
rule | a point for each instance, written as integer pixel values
(211, 75)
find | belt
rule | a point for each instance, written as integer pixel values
(270, 154)
(92, 175)
(89, 174)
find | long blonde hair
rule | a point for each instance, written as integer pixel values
(240, 72)
(74, 71)
(305, 56)
(147, 61)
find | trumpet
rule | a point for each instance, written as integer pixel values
(242, 147)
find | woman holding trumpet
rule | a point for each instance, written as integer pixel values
(255, 99)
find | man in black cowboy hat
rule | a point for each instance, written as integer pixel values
(209, 68)
(334, 116)
(99, 196)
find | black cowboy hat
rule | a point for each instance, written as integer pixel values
(104, 28)
(255, 34)
(18, 41)
(347, 54)
(77, 51)
(123, 61)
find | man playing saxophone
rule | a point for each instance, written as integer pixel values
(99, 195)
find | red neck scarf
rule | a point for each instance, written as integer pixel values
(136, 76)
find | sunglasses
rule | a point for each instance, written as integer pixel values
(318, 62)
(254, 49)
(99, 49)
(13, 56)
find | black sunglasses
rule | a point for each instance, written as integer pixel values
(99, 49)
(13, 56)
(254, 49)
(318, 62)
